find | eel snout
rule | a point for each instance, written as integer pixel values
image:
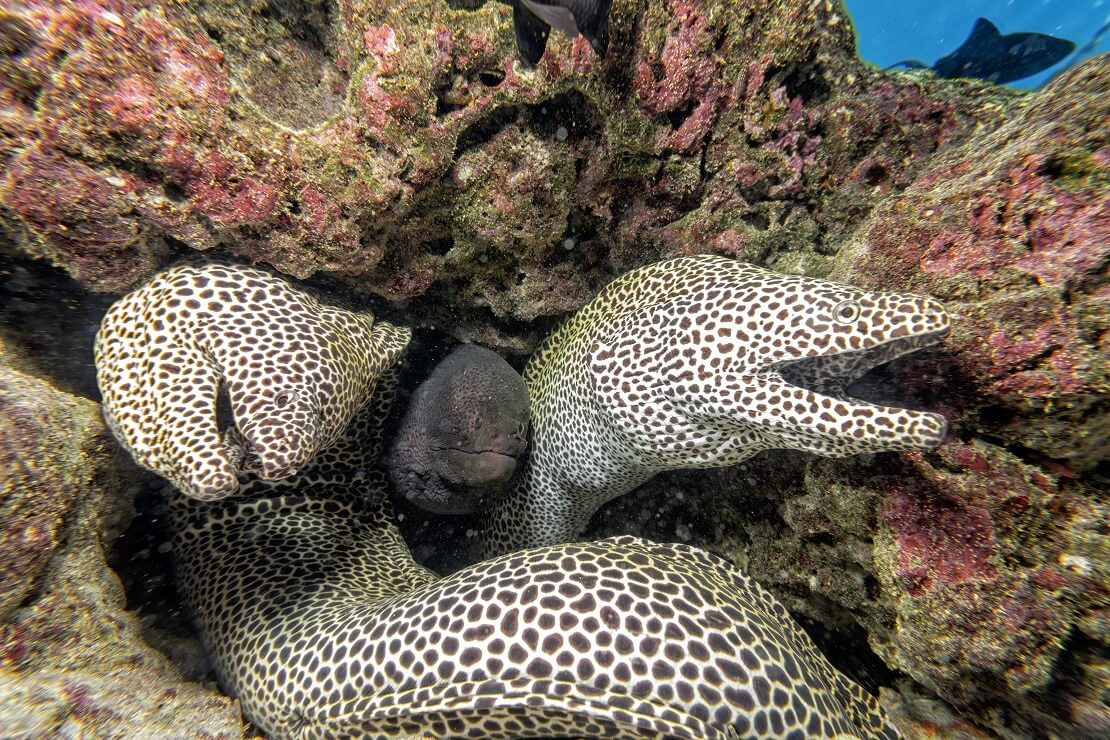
(819, 385)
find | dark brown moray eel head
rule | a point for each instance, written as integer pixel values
(463, 434)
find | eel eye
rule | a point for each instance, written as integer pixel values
(283, 399)
(846, 312)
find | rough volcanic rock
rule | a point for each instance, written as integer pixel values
(72, 660)
(991, 550)
(402, 146)
(1012, 231)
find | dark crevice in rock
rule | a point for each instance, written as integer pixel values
(214, 34)
(485, 128)
(821, 538)
(848, 650)
(491, 77)
(569, 110)
(179, 250)
(439, 246)
(757, 220)
(807, 80)
(876, 174)
(678, 117)
(1052, 167)
(174, 193)
(54, 344)
(443, 105)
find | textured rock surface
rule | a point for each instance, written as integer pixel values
(403, 148)
(992, 549)
(1012, 231)
(72, 661)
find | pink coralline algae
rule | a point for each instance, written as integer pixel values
(1012, 230)
(136, 133)
(685, 79)
(973, 550)
(938, 538)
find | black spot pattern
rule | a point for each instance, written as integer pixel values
(295, 371)
(702, 362)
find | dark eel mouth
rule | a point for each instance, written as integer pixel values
(831, 374)
(465, 451)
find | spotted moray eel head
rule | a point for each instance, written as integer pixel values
(850, 332)
(295, 372)
(713, 359)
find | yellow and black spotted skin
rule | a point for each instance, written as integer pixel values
(295, 372)
(702, 362)
(323, 626)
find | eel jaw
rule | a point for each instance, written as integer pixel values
(826, 378)
(831, 374)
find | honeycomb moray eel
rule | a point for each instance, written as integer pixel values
(295, 371)
(320, 622)
(702, 362)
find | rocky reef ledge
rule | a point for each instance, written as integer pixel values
(402, 148)
(73, 662)
(400, 151)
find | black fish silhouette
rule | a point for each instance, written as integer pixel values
(533, 20)
(988, 55)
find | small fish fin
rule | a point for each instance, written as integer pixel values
(592, 17)
(531, 33)
(983, 30)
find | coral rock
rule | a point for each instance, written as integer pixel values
(334, 137)
(72, 660)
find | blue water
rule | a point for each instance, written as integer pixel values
(890, 31)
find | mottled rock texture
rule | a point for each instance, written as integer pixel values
(73, 662)
(403, 148)
(994, 550)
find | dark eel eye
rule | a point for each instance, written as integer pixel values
(846, 312)
(283, 399)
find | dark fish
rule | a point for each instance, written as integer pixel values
(988, 55)
(458, 447)
(533, 20)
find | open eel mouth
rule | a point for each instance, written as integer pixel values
(824, 380)
(831, 374)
